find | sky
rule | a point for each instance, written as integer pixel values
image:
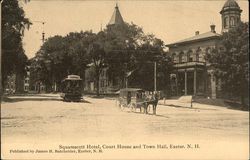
(168, 20)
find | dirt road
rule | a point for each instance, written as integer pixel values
(47, 122)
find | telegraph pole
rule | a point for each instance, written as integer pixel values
(155, 65)
(43, 40)
(43, 34)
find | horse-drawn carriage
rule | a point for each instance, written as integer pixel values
(136, 98)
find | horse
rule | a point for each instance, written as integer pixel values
(151, 100)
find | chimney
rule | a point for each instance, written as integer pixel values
(197, 33)
(212, 28)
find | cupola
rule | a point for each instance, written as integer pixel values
(230, 15)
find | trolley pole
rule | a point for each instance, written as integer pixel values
(155, 76)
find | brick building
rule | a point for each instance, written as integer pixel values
(192, 74)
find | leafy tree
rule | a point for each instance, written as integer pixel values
(78, 49)
(13, 25)
(151, 50)
(131, 55)
(52, 61)
(122, 49)
(120, 45)
(60, 56)
(97, 56)
(231, 64)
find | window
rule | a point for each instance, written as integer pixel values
(237, 20)
(232, 22)
(26, 88)
(102, 73)
(197, 55)
(208, 50)
(102, 83)
(189, 57)
(226, 22)
(181, 57)
(174, 57)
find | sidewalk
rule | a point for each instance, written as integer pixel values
(196, 105)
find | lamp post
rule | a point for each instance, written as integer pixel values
(155, 71)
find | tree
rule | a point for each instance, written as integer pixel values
(151, 50)
(60, 56)
(131, 55)
(13, 25)
(97, 56)
(120, 44)
(231, 64)
(120, 49)
(78, 49)
(52, 62)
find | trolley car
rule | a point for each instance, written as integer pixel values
(72, 88)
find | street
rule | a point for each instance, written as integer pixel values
(45, 120)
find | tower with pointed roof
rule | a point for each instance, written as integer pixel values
(116, 19)
(230, 15)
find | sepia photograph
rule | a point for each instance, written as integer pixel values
(124, 79)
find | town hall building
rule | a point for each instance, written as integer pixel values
(192, 73)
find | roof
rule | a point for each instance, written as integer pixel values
(197, 37)
(73, 77)
(131, 89)
(230, 4)
(116, 18)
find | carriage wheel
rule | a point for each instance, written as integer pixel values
(121, 107)
(65, 99)
(148, 108)
(134, 107)
(130, 106)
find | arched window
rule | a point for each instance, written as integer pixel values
(174, 57)
(208, 50)
(225, 22)
(189, 56)
(237, 20)
(232, 21)
(181, 57)
(197, 55)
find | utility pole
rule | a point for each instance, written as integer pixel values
(43, 40)
(43, 34)
(155, 65)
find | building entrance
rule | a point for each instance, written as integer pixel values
(189, 83)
